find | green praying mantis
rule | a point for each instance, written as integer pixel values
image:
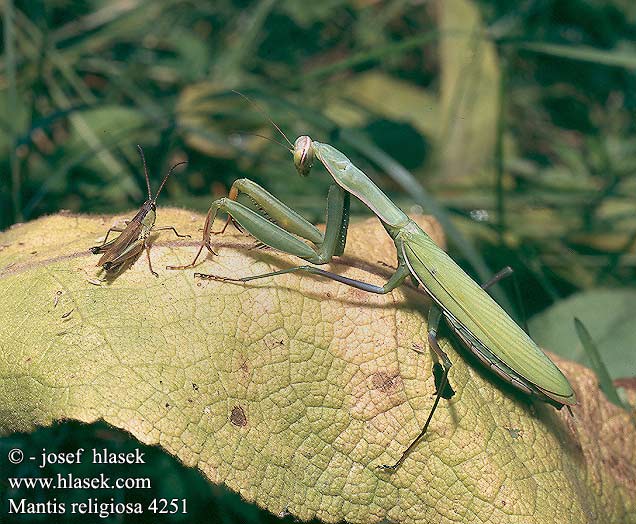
(477, 320)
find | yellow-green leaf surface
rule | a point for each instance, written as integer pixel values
(292, 390)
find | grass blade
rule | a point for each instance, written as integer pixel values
(604, 379)
(584, 53)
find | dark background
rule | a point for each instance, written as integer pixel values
(545, 183)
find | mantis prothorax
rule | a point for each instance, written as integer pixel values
(134, 237)
(477, 320)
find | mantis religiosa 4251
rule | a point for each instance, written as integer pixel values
(477, 320)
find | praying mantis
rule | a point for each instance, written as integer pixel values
(476, 319)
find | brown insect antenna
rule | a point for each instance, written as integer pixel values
(266, 115)
(143, 160)
(166, 178)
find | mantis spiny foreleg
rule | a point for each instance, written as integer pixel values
(278, 226)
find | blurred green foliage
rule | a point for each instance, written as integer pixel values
(516, 117)
(511, 121)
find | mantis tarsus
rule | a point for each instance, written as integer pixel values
(478, 321)
(134, 236)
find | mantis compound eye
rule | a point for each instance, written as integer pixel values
(303, 155)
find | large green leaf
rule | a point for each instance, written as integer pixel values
(292, 391)
(608, 314)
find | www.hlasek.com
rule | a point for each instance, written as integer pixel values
(92, 505)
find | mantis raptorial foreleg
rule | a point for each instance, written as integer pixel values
(264, 203)
(278, 226)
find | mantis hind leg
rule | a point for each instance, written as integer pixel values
(434, 317)
(443, 387)
(497, 277)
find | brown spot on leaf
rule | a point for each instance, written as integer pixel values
(384, 382)
(238, 417)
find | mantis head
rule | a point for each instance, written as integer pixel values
(303, 155)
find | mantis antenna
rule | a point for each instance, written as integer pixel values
(264, 137)
(264, 113)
